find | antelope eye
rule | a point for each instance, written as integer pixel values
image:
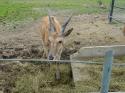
(60, 42)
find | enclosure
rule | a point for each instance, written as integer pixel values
(20, 39)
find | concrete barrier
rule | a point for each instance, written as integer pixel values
(98, 51)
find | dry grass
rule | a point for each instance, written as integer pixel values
(33, 78)
(30, 78)
(94, 73)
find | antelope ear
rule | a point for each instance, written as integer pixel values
(67, 33)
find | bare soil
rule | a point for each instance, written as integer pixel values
(24, 41)
(89, 30)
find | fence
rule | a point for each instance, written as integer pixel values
(114, 6)
(107, 67)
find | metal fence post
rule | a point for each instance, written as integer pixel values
(111, 11)
(57, 74)
(107, 67)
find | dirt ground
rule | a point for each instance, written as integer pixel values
(89, 30)
(24, 41)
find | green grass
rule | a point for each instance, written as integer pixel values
(14, 10)
(22, 11)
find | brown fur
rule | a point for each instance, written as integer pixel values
(52, 41)
(45, 28)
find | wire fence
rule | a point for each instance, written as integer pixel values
(42, 61)
(117, 11)
(105, 74)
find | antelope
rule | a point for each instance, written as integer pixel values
(53, 36)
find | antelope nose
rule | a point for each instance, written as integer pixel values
(51, 57)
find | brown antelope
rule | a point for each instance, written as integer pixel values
(53, 36)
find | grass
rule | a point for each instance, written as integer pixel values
(94, 73)
(14, 10)
(30, 78)
(33, 78)
(14, 13)
(93, 83)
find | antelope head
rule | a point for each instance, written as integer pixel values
(56, 38)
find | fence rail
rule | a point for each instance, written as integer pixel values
(41, 61)
(51, 61)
